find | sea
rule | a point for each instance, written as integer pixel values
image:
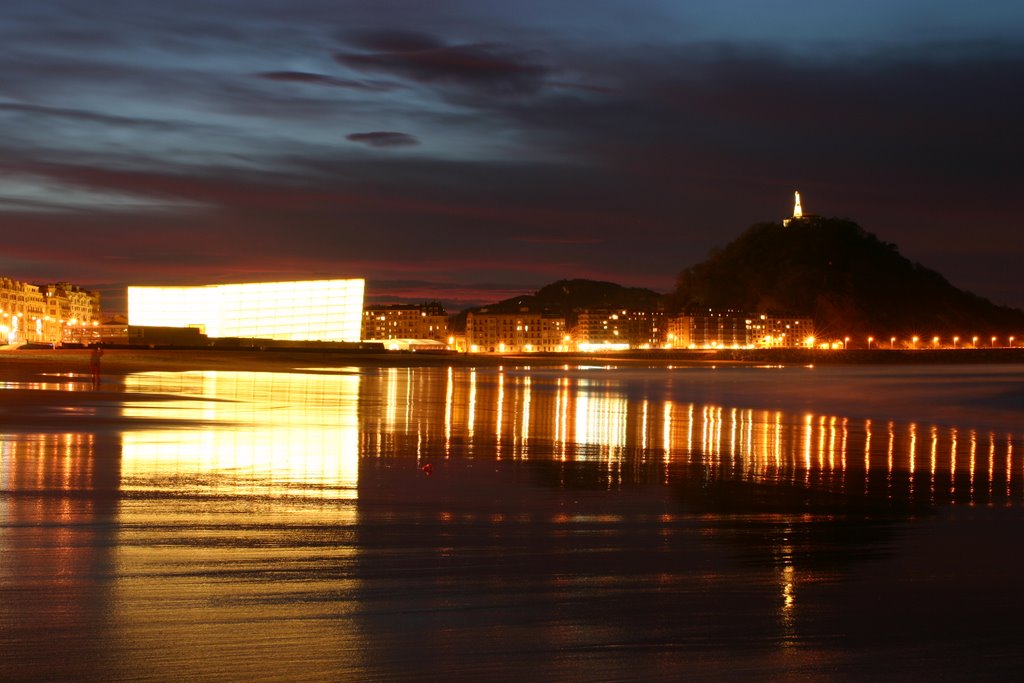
(502, 523)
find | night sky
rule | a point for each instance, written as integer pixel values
(473, 150)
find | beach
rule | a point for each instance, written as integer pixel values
(230, 515)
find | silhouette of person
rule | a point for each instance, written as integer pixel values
(94, 364)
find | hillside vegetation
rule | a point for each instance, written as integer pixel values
(848, 280)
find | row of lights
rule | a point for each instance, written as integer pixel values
(915, 340)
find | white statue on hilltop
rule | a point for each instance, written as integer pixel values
(798, 212)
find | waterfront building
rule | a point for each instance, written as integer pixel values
(602, 328)
(515, 333)
(405, 322)
(708, 330)
(308, 310)
(74, 309)
(767, 331)
(733, 329)
(45, 314)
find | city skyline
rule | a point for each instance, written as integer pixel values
(467, 152)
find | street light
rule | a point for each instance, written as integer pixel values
(913, 341)
(974, 340)
(892, 342)
(955, 340)
(935, 342)
(870, 339)
(993, 341)
(846, 340)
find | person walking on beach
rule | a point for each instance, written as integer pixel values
(94, 363)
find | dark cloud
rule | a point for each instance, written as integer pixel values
(321, 79)
(494, 68)
(113, 120)
(383, 138)
(393, 41)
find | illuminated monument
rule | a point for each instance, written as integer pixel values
(310, 310)
(798, 212)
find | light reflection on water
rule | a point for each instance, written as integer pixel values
(512, 415)
(286, 526)
(304, 435)
(261, 433)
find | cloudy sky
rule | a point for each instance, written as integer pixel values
(469, 150)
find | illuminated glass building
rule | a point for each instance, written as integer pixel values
(309, 310)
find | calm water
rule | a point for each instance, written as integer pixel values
(562, 523)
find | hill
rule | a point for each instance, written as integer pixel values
(848, 280)
(567, 298)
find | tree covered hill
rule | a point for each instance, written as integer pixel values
(848, 280)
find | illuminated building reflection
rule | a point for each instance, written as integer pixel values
(58, 524)
(246, 433)
(591, 417)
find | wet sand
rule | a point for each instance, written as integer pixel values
(264, 526)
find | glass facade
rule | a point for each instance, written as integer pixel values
(309, 310)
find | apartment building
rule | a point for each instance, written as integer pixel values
(619, 328)
(44, 314)
(405, 321)
(732, 329)
(515, 333)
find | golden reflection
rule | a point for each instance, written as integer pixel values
(867, 455)
(821, 441)
(952, 463)
(689, 432)
(666, 431)
(585, 415)
(1009, 468)
(643, 427)
(892, 440)
(524, 434)
(562, 416)
(808, 436)
(974, 456)
(33, 462)
(788, 583)
(239, 432)
(844, 435)
(500, 415)
(471, 409)
(601, 421)
(832, 444)
(912, 456)
(991, 461)
(448, 402)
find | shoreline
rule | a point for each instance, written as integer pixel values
(26, 364)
